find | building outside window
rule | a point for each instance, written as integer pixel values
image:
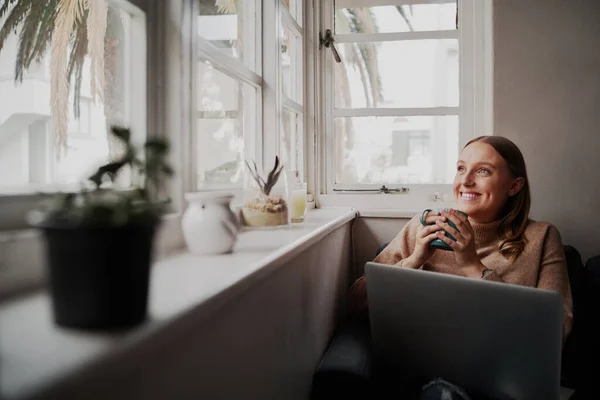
(30, 160)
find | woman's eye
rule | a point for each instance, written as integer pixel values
(460, 169)
(484, 171)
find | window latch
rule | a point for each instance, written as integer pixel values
(383, 189)
(327, 41)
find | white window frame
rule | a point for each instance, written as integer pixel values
(274, 16)
(476, 104)
(173, 102)
(263, 148)
(311, 24)
(287, 104)
(14, 205)
(202, 49)
(181, 118)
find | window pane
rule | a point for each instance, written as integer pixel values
(380, 19)
(231, 27)
(295, 9)
(419, 149)
(410, 73)
(291, 143)
(28, 151)
(291, 65)
(80, 126)
(222, 103)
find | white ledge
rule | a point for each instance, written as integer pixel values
(386, 213)
(36, 355)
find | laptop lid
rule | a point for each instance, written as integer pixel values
(492, 338)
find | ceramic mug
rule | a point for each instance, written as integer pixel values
(438, 243)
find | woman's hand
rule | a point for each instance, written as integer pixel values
(465, 252)
(424, 236)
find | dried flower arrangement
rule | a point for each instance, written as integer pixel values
(265, 209)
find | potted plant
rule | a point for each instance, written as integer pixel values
(99, 239)
(266, 207)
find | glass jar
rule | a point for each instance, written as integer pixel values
(263, 210)
(297, 195)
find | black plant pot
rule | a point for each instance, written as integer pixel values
(99, 276)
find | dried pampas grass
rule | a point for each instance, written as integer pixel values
(85, 22)
(226, 6)
(96, 31)
(69, 13)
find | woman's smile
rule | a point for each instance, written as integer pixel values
(469, 196)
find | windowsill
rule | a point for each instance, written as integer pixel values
(37, 355)
(396, 205)
(386, 213)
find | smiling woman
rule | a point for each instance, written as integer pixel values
(486, 182)
(491, 183)
(496, 241)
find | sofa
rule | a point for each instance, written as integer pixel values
(346, 369)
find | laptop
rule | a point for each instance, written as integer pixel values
(495, 339)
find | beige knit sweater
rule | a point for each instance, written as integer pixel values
(541, 264)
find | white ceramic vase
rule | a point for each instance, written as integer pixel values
(209, 225)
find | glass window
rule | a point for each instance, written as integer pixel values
(291, 64)
(396, 94)
(231, 27)
(223, 103)
(295, 9)
(28, 151)
(408, 73)
(417, 149)
(393, 18)
(291, 132)
(292, 140)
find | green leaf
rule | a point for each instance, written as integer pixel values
(157, 145)
(168, 170)
(405, 16)
(4, 6)
(14, 19)
(44, 35)
(122, 133)
(109, 170)
(28, 38)
(94, 206)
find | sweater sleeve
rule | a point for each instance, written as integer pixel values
(402, 246)
(399, 248)
(553, 275)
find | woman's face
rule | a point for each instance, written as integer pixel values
(483, 182)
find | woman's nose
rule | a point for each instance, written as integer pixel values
(467, 179)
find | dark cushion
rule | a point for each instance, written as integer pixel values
(588, 330)
(345, 369)
(570, 362)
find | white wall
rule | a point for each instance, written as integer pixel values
(13, 169)
(369, 234)
(546, 99)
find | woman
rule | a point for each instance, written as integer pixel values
(496, 242)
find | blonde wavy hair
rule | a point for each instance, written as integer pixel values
(515, 215)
